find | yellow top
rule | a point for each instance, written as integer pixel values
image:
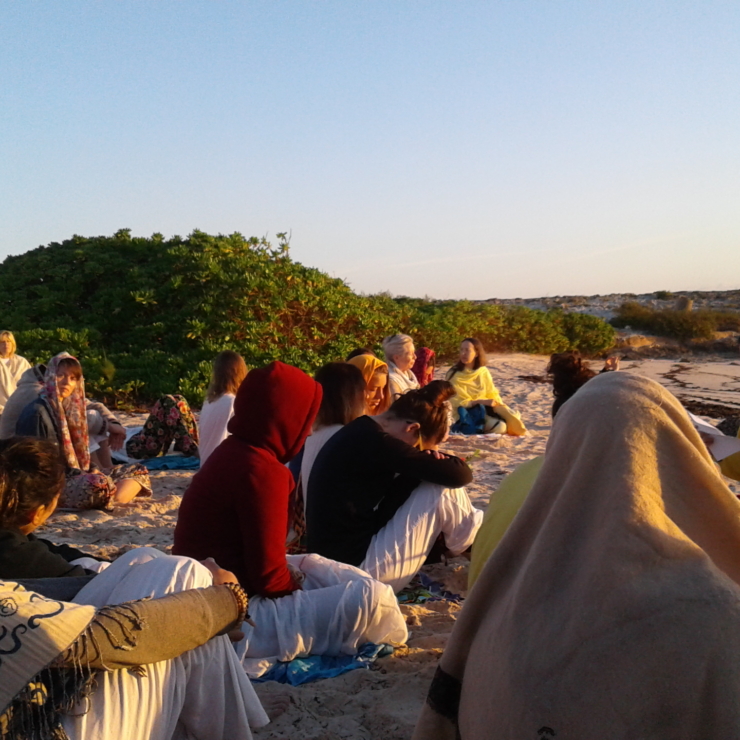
(472, 385)
(503, 507)
(730, 466)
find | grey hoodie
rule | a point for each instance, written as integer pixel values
(29, 387)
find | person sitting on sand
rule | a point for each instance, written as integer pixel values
(610, 608)
(343, 400)
(105, 432)
(423, 367)
(477, 406)
(32, 476)
(170, 420)
(400, 355)
(380, 492)
(236, 511)
(229, 370)
(569, 372)
(60, 414)
(377, 387)
(12, 366)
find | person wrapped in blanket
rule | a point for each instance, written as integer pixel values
(60, 413)
(477, 407)
(610, 608)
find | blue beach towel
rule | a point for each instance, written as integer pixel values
(171, 462)
(304, 670)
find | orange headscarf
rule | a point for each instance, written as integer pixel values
(369, 365)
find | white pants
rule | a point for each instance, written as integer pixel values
(201, 695)
(397, 552)
(338, 609)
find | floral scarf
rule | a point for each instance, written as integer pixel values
(70, 416)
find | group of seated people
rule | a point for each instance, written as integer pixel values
(374, 496)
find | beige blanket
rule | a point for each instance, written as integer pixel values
(611, 607)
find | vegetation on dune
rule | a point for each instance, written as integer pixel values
(147, 315)
(682, 325)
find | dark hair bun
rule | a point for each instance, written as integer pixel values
(437, 392)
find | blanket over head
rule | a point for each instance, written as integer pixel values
(611, 607)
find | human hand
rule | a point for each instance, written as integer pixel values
(116, 435)
(220, 576)
(436, 453)
(708, 439)
(298, 575)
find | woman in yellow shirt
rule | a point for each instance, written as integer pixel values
(477, 406)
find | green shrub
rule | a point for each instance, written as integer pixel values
(682, 325)
(147, 315)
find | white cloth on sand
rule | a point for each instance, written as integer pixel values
(397, 552)
(339, 609)
(212, 422)
(203, 694)
(314, 443)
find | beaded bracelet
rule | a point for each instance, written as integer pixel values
(242, 601)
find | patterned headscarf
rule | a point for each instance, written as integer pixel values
(424, 357)
(70, 415)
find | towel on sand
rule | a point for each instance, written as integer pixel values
(304, 670)
(610, 608)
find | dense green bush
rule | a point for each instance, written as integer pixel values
(147, 315)
(681, 325)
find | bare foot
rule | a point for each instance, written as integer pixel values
(275, 704)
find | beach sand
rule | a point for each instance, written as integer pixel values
(384, 702)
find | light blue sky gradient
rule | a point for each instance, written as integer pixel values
(453, 149)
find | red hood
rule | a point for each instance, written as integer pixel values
(275, 408)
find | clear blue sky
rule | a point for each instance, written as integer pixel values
(453, 149)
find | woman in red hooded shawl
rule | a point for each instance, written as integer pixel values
(236, 511)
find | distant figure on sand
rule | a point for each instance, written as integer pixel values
(377, 386)
(229, 370)
(236, 511)
(477, 405)
(60, 414)
(380, 493)
(12, 366)
(610, 608)
(400, 355)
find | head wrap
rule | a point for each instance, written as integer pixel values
(69, 415)
(369, 365)
(424, 357)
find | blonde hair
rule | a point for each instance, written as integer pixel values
(393, 346)
(5, 334)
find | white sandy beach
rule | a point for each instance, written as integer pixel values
(384, 702)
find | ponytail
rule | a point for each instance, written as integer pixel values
(31, 475)
(429, 407)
